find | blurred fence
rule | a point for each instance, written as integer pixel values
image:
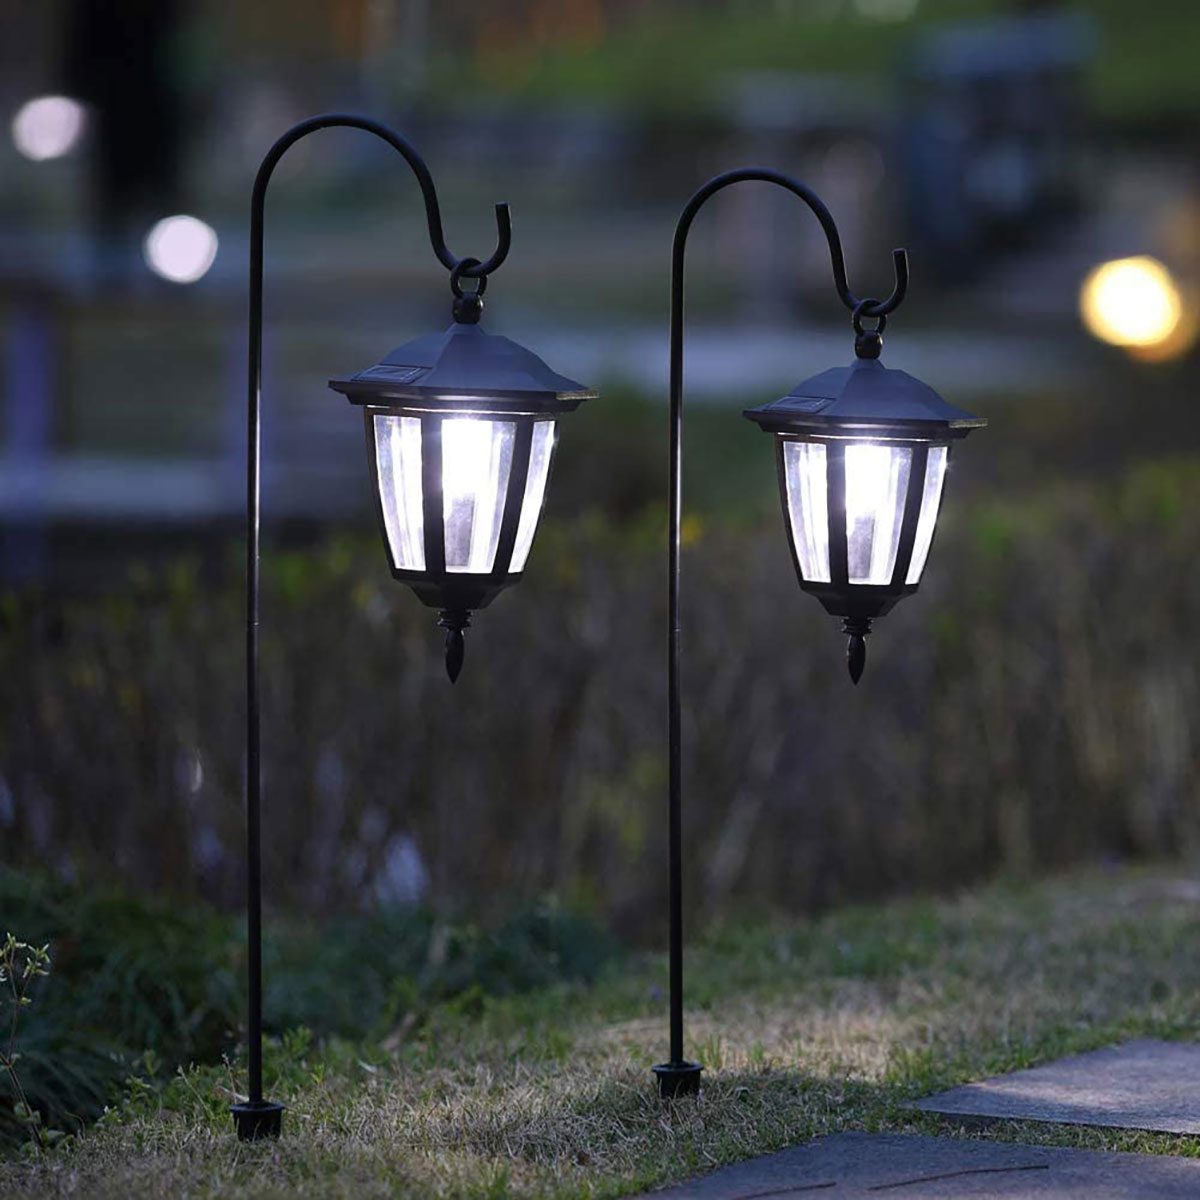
(1035, 703)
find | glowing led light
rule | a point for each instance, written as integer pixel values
(1131, 302)
(180, 249)
(476, 461)
(466, 451)
(876, 483)
(48, 127)
(866, 480)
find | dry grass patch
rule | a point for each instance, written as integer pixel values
(804, 1029)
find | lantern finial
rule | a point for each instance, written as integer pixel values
(856, 648)
(454, 621)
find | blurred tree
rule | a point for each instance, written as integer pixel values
(118, 58)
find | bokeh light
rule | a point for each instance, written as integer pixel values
(1131, 302)
(180, 248)
(48, 127)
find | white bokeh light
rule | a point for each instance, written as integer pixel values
(180, 248)
(48, 127)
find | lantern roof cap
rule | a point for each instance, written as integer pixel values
(865, 396)
(464, 368)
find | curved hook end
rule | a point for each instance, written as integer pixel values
(900, 269)
(503, 241)
(869, 308)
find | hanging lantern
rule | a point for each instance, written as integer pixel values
(862, 453)
(461, 429)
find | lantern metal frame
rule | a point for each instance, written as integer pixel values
(436, 585)
(893, 406)
(257, 1117)
(863, 404)
(462, 372)
(840, 597)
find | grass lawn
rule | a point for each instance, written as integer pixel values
(805, 1029)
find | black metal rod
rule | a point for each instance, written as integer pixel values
(259, 1117)
(678, 1076)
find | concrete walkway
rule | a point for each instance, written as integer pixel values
(863, 1166)
(1143, 1084)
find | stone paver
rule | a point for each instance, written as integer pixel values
(865, 1166)
(1140, 1085)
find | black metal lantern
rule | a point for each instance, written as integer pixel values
(460, 434)
(461, 431)
(861, 453)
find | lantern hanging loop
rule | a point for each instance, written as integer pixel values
(464, 267)
(865, 308)
(468, 306)
(867, 342)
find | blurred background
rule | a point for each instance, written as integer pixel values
(1035, 704)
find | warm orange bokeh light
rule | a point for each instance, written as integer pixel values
(1135, 303)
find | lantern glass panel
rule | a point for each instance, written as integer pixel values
(805, 479)
(876, 485)
(540, 453)
(398, 465)
(476, 461)
(931, 498)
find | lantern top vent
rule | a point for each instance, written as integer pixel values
(464, 369)
(865, 398)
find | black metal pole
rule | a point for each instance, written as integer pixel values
(258, 1117)
(678, 1076)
